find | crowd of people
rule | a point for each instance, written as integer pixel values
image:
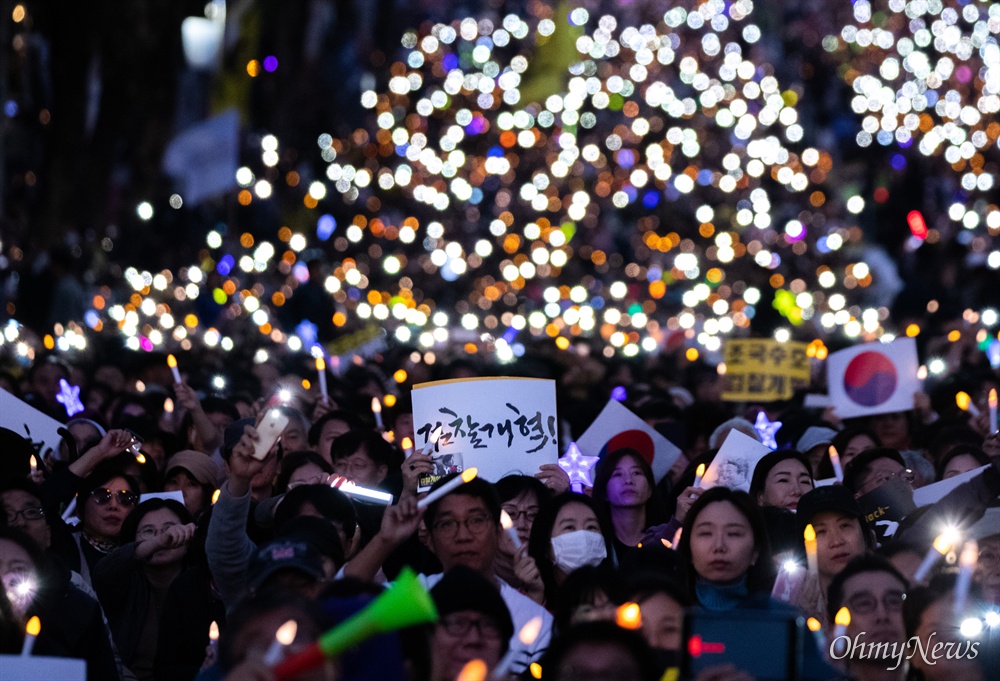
(616, 582)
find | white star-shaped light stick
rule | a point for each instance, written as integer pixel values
(69, 397)
(578, 467)
(766, 429)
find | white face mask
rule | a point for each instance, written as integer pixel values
(573, 550)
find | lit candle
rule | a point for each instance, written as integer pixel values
(965, 403)
(942, 544)
(215, 495)
(698, 475)
(529, 632)
(993, 410)
(407, 445)
(377, 410)
(842, 620)
(172, 363)
(628, 616)
(31, 632)
(508, 526)
(389, 436)
(429, 447)
(33, 462)
(213, 639)
(810, 539)
(966, 567)
(474, 670)
(321, 374)
(282, 638)
(467, 475)
(817, 629)
(838, 470)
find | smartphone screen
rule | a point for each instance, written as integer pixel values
(765, 645)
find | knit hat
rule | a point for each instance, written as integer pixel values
(200, 466)
(462, 588)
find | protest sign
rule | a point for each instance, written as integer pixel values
(37, 667)
(764, 370)
(29, 423)
(874, 378)
(498, 425)
(886, 505)
(929, 494)
(733, 466)
(616, 427)
(203, 158)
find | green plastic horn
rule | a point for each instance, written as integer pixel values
(403, 604)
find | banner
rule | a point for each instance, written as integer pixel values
(733, 466)
(886, 505)
(29, 423)
(874, 378)
(764, 370)
(35, 667)
(498, 425)
(617, 427)
(929, 494)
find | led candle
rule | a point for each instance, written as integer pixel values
(993, 410)
(467, 475)
(377, 410)
(838, 470)
(474, 670)
(942, 544)
(172, 363)
(213, 639)
(33, 462)
(817, 629)
(215, 495)
(529, 632)
(321, 375)
(842, 621)
(508, 526)
(628, 616)
(966, 567)
(965, 403)
(31, 631)
(810, 539)
(698, 475)
(407, 445)
(429, 447)
(282, 639)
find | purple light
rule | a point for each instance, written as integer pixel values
(146, 344)
(619, 394)
(271, 64)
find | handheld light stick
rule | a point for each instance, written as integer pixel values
(966, 567)
(31, 631)
(432, 440)
(838, 470)
(842, 620)
(284, 637)
(377, 410)
(529, 632)
(407, 445)
(172, 363)
(810, 540)
(321, 375)
(508, 526)
(33, 462)
(965, 403)
(942, 544)
(213, 638)
(993, 410)
(468, 475)
(699, 473)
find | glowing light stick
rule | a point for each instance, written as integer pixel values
(529, 632)
(282, 638)
(966, 567)
(365, 493)
(467, 475)
(698, 475)
(942, 544)
(172, 363)
(817, 629)
(432, 440)
(842, 620)
(838, 470)
(407, 445)
(965, 403)
(321, 374)
(993, 410)
(377, 410)
(31, 631)
(810, 540)
(508, 526)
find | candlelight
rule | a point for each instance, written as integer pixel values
(33, 462)
(474, 670)
(34, 626)
(215, 495)
(213, 631)
(505, 520)
(376, 406)
(628, 616)
(171, 361)
(843, 617)
(286, 632)
(813, 624)
(320, 364)
(529, 632)
(470, 474)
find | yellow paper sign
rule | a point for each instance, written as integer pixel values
(764, 370)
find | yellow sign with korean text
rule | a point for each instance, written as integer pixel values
(764, 370)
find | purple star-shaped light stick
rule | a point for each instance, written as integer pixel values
(766, 429)
(578, 467)
(69, 397)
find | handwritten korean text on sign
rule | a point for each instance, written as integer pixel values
(763, 370)
(498, 425)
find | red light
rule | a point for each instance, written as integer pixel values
(694, 646)
(697, 647)
(714, 648)
(917, 224)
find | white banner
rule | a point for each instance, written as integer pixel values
(874, 378)
(29, 423)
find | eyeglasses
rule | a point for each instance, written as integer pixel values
(866, 603)
(26, 513)
(476, 524)
(148, 532)
(881, 478)
(459, 626)
(514, 514)
(123, 496)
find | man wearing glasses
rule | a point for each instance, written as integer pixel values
(874, 647)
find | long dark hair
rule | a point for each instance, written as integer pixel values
(540, 540)
(760, 576)
(655, 514)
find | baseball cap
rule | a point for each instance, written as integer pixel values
(288, 554)
(814, 437)
(200, 466)
(830, 498)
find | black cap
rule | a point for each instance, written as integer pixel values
(830, 498)
(462, 588)
(281, 555)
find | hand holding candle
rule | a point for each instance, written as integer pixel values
(33, 463)
(172, 363)
(527, 635)
(508, 526)
(468, 475)
(965, 403)
(699, 473)
(31, 631)
(993, 410)
(407, 445)
(431, 441)
(810, 540)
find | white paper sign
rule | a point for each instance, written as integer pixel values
(733, 466)
(928, 494)
(29, 423)
(616, 427)
(177, 496)
(874, 378)
(498, 425)
(203, 158)
(36, 668)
